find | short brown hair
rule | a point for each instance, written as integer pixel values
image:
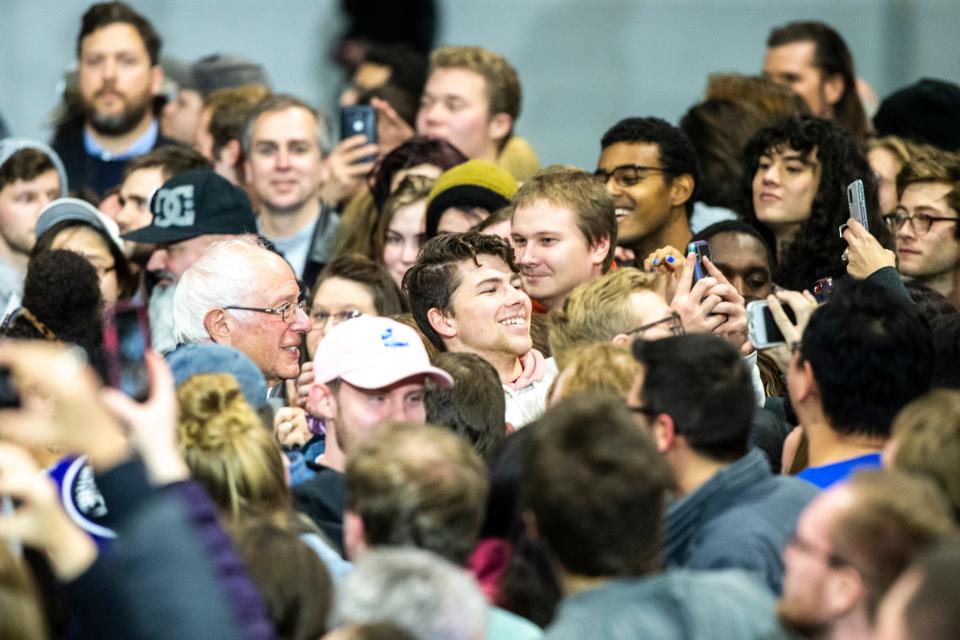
(894, 517)
(596, 311)
(501, 80)
(771, 100)
(104, 14)
(600, 367)
(420, 486)
(934, 166)
(581, 193)
(172, 159)
(26, 165)
(229, 109)
(927, 434)
(596, 485)
(282, 102)
(372, 275)
(431, 282)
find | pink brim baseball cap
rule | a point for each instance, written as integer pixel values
(372, 352)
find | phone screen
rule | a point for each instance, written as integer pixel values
(127, 339)
(702, 249)
(773, 331)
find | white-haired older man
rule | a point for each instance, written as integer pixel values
(241, 294)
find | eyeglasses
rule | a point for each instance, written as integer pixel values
(626, 175)
(919, 222)
(832, 559)
(286, 311)
(321, 317)
(672, 323)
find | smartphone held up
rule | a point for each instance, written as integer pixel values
(762, 329)
(126, 340)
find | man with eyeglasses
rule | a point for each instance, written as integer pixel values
(851, 544)
(694, 396)
(650, 168)
(191, 210)
(241, 294)
(925, 222)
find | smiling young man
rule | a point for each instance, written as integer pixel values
(925, 222)
(564, 233)
(465, 295)
(650, 168)
(118, 75)
(283, 142)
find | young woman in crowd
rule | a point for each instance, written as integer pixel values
(402, 225)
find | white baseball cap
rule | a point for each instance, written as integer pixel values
(372, 352)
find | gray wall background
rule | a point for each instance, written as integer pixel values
(583, 63)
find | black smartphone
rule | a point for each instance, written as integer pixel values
(126, 339)
(359, 120)
(9, 397)
(702, 249)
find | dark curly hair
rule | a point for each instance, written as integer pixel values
(677, 154)
(816, 250)
(62, 291)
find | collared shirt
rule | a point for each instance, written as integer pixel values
(143, 144)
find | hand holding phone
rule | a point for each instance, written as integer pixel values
(857, 202)
(780, 319)
(359, 120)
(701, 249)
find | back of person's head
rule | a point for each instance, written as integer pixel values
(596, 486)
(596, 311)
(931, 303)
(601, 367)
(418, 591)
(677, 155)
(408, 68)
(104, 14)
(275, 102)
(932, 609)
(474, 406)
(21, 616)
(61, 301)
(171, 159)
(815, 251)
(700, 381)
(771, 100)
(925, 111)
(290, 577)
(354, 267)
(718, 130)
(871, 353)
(946, 349)
(431, 282)
(416, 151)
(502, 81)
(926, 438)
(418, 486)
(892, 518)
(229, 451)
(579, 192)
(832, 58)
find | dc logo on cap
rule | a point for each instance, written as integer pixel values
(173, 207)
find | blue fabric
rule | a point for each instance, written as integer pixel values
(830, 474)
(142, 145)
(740, 518)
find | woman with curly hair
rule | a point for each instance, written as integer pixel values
(794, 189)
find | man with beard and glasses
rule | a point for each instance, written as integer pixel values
(191, 211)
(118, 75)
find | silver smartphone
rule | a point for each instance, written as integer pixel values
(857, 202)
(762, 329)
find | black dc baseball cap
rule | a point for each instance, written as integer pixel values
(196, 203)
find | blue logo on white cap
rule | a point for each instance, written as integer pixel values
(390, 341)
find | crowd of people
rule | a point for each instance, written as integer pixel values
(409, 384)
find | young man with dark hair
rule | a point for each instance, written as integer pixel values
(812, 59)
(564, 233)
(144, 175)
(118, 75)
(650, 168)
(593, 489)
(925, 222)
(31, 176)
(474, 407)
(283, 144)
(219, 134)
(465, 295)
(864, 355)
(851, 544)
(695, 398)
